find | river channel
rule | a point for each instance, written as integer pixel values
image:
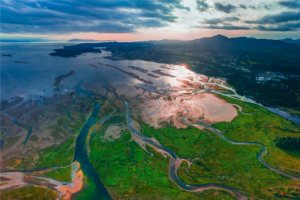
(175, 162)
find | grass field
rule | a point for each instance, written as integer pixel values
(28, 193)
(57, 155)
(128, 171)
(61, 174)
(263, 127)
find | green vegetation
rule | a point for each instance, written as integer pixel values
(147, 130)
(211, 155)
(57, 155)
(61, 174)
(57, 131)
(33, 138)
(28, 193)
(77, 123)
(4, 178)
(10, 141)
(26, 163)
(118, 120)
(218, 161)
(128, 171)
(291, 193)
(207, 195)
(225, 91)
(12, 163)
(288, 143)
(264, 127)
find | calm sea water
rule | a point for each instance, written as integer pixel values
(38, 75)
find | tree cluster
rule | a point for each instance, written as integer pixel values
(288, 143)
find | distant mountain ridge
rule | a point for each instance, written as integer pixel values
(215, 44)
(223, 43)
(291, 41)
(220, 43)
(88, 40)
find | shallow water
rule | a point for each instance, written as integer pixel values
(37, 76)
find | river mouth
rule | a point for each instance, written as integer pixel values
(93, 188)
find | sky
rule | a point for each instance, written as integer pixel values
(142, 20)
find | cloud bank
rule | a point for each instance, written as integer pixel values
(55, 17)
(67, 16)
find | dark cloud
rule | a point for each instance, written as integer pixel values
(282, 27)
(202, 5)
(266, 7)
(219, 20)
(231, 19)
(278, 28)
(224, 27)
(227, 8)
(260, 6)
(280, 22)
(252, 7)
(287, 16)
(243, 6)
(66, 16)
(266, 28)
(212, 21)
(290, 4)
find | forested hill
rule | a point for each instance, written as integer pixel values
(215, 44)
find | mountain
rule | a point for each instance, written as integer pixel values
(215, 44)
(166, 41)
(291, 41)
(220, 43)
(88, 40)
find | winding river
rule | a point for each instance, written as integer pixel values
(175, 162)
(259, 156)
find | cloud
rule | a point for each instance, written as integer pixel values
(290, 4)
(202, 5)
(231, 19)
(286, 16)
(224, 27)
(27, 39)
(243, 6)
(282, 27)
(219, 20)
(227, 8)
(66, 16)
(278, 28)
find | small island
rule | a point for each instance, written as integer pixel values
(73, 51)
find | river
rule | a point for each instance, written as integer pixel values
(175, 162)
